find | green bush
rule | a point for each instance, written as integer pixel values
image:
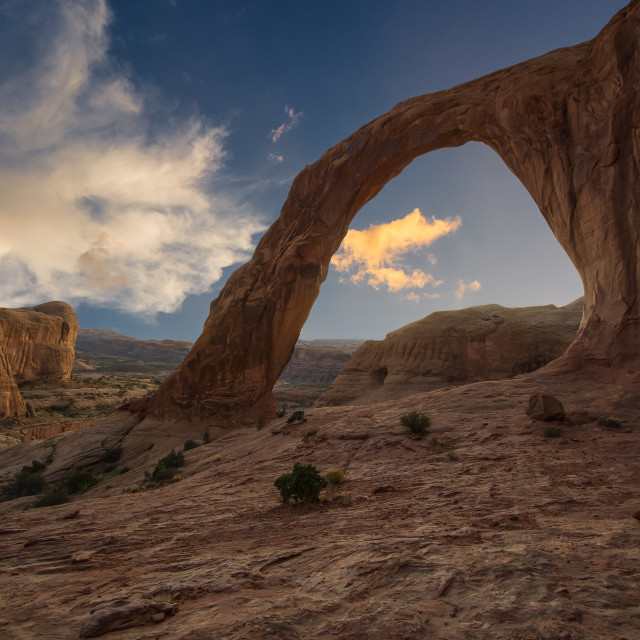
(27, 482)
(281, 413)
(262, 421)
(206, 438)
(56, 494)
(174, 459)
(336, 476)
(168, 467)
(296, 416)
(302, 485)
(112, 455)
(551, 432)
(79, 482)
(190, 444)
(416, 421)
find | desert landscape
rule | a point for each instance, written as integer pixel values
(473, 475)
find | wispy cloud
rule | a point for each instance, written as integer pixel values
(273, 157)
(463, 287)
(93, 207)
(376, 253)
(285, 127)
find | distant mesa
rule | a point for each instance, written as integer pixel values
(106, 351)
(565, 123)
(448, 348)
(35, 343)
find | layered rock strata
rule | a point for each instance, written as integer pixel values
(488, 342)
(35, 342)
(566, 124)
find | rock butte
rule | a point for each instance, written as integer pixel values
(35, 342)
(566, 124)
(488, 342)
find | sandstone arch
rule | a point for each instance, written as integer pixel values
(566, 124)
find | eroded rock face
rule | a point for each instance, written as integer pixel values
(566, 124)
(11, 402)
(488, 342)
(35, 342)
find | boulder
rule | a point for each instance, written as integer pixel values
(566, 124)
(545, 407)
(487, 342)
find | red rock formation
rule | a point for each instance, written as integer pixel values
(565, 123)
(35, 342)
(11, 402)
(488, 342)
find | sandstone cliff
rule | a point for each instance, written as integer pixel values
(35, 342)
(565, 123)
(488, 342)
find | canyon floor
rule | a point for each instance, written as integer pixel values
(482, 529)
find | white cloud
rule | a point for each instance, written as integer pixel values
(285, 127)
(463, 287)
(275, 158)
(376, 253)
(92, 208)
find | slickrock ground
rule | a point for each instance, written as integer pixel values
(488, 342)
(510, 535)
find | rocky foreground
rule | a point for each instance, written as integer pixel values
(482, 529)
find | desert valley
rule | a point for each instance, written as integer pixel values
(473, 475)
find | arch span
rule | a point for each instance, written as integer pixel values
(566, 124)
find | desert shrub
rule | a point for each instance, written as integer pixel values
(452, 456)
(416, 421)
(302, 485)
(27, 482)
(55, 494)
(296, 416)
(551, 432)
(168, 467)
(190, 444)
(174, 459)
(335, 476)
(262, 421)
(111, 455)
(79, 481)
(281, 413)
(206, 438)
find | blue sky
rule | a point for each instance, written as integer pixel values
(145, 145)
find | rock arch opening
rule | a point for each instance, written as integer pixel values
(503, 244)
(566, 124)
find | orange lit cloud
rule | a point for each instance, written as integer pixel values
(375, 253)
(466, 286)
